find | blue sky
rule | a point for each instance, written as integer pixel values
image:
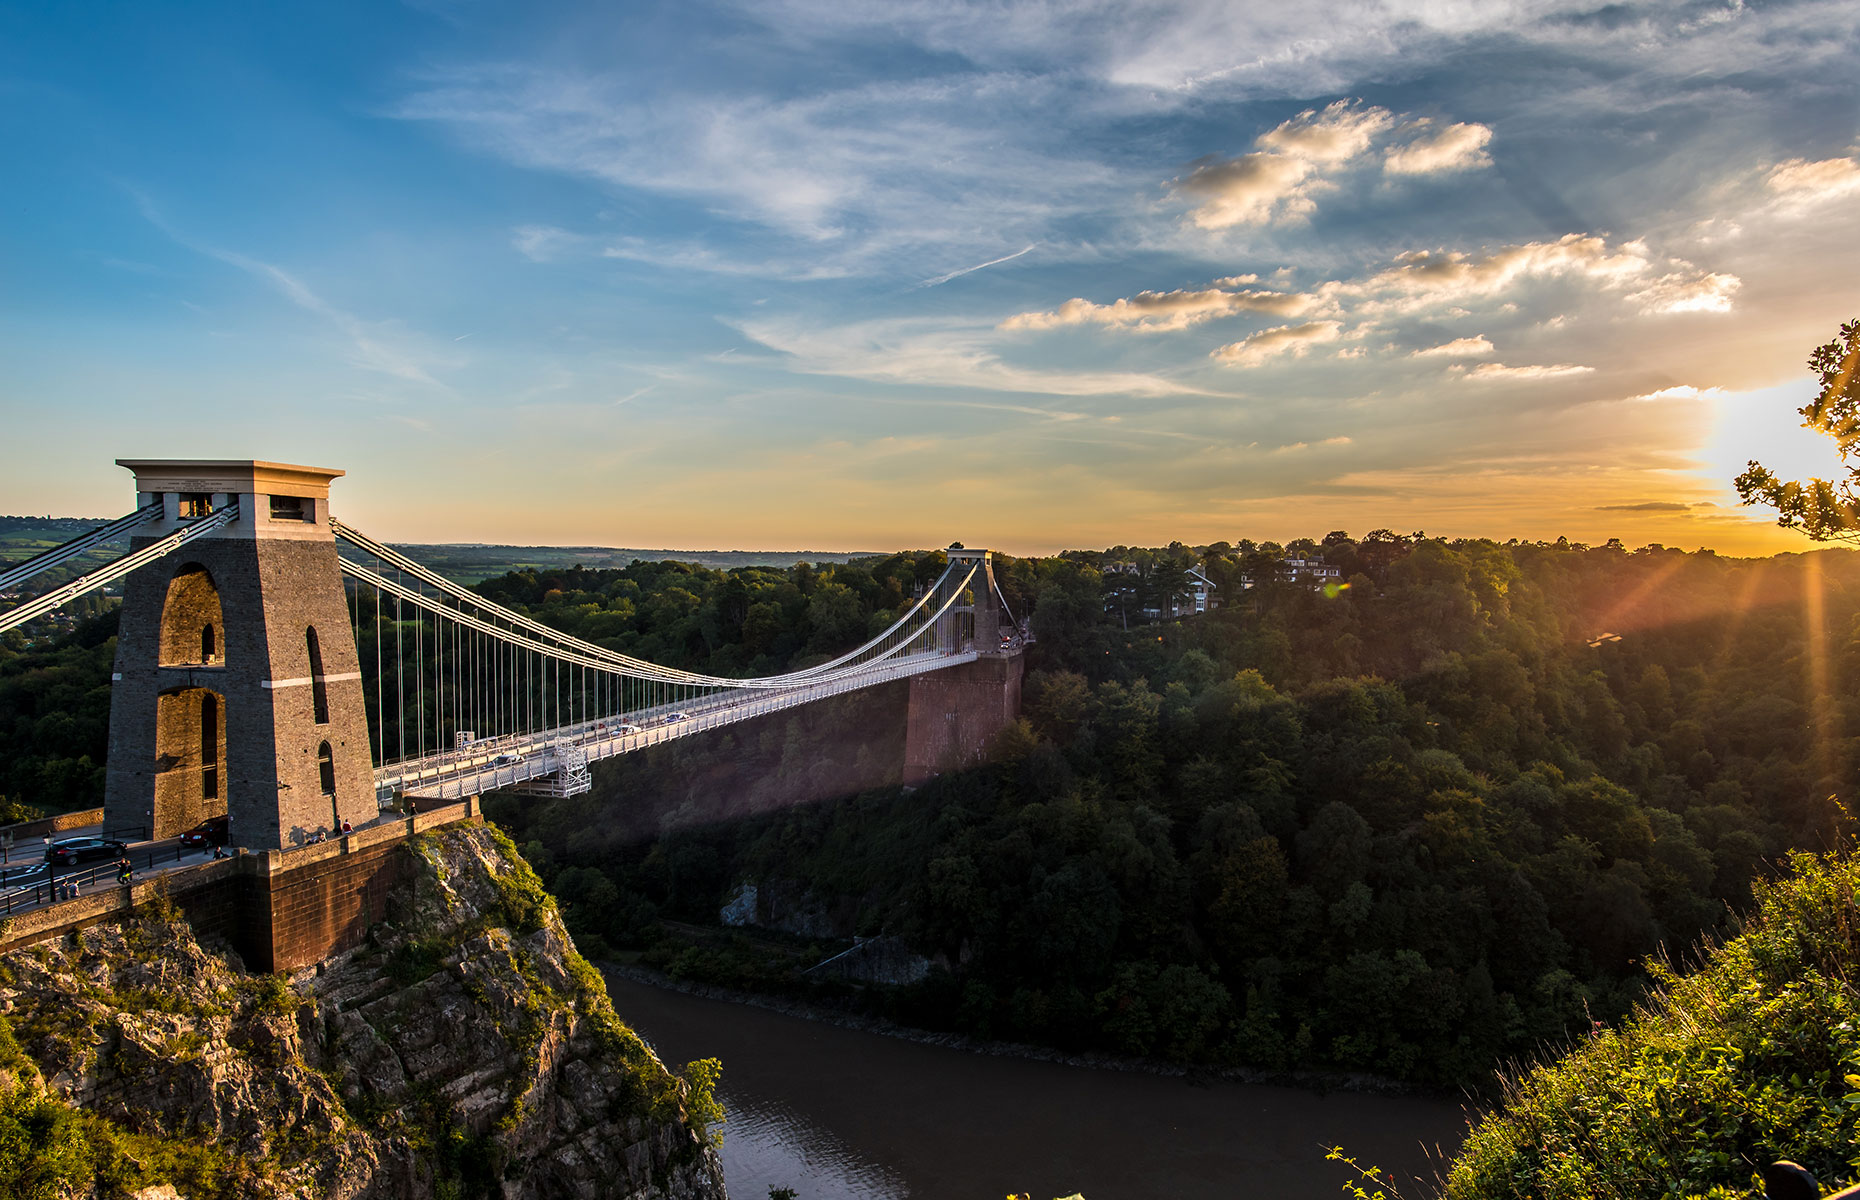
(848, 275)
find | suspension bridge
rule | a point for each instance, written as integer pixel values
(280, 666)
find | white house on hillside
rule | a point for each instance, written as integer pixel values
(1312, 571)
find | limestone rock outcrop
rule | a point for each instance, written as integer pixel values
(464, 1050)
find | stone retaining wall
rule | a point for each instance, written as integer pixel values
(282, 910)
(57, 823)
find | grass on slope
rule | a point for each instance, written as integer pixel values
(1753, 1057)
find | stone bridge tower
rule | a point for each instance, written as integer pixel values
(954, 714)
(236, 688)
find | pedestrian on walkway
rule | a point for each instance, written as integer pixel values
(347, 828)
(125, 874)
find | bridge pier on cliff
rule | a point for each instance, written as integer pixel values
(955, 714)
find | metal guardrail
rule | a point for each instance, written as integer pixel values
(55, 886)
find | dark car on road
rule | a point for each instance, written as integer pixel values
(71, 851)
(210, 832)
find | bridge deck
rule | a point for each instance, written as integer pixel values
(474, 769)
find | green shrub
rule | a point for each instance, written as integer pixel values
(1753, 1057)
(702, 1108)
(49, 1151)
(412, 962)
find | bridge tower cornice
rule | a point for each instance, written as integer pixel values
(280, 501)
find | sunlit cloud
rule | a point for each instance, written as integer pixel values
(1485, 372)
(1249, 190)
(1294, 447)
(1466, 347)
(1679, 391)
(1421, 278)
(1282, 178)
(1457, 147)
(1155, 312)
(1678, 293)
(1279, 341)
(1802, 184)
(1337, 134)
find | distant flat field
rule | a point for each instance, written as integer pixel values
(23, 537)
(471, 563)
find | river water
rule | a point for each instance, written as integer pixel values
(837, 1114)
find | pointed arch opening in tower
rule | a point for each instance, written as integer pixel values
(190, 757)
(319, 691)
(192, 623)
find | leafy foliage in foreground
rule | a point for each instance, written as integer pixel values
(1752, 1058)
(1823, 509)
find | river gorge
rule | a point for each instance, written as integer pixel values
(841, 1114)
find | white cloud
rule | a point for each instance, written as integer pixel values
(1337, 134)
(1458, 147)
(1185, 50)
(938, 352)
(384, 347)
(1294, 447)
(1679, 391)
(1804, 184)
(1280, 340)
(1503, 373)
(1677, 293)
(1280, 179)
(851, 176)
(542, 243)
(1466, 347)
(1252, 189)
(1424, 279)
(1155, 312)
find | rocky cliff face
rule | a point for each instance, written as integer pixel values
(466, 1050)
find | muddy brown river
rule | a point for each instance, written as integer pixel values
(838, 1114)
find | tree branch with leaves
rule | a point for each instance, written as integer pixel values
(1824, 510)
